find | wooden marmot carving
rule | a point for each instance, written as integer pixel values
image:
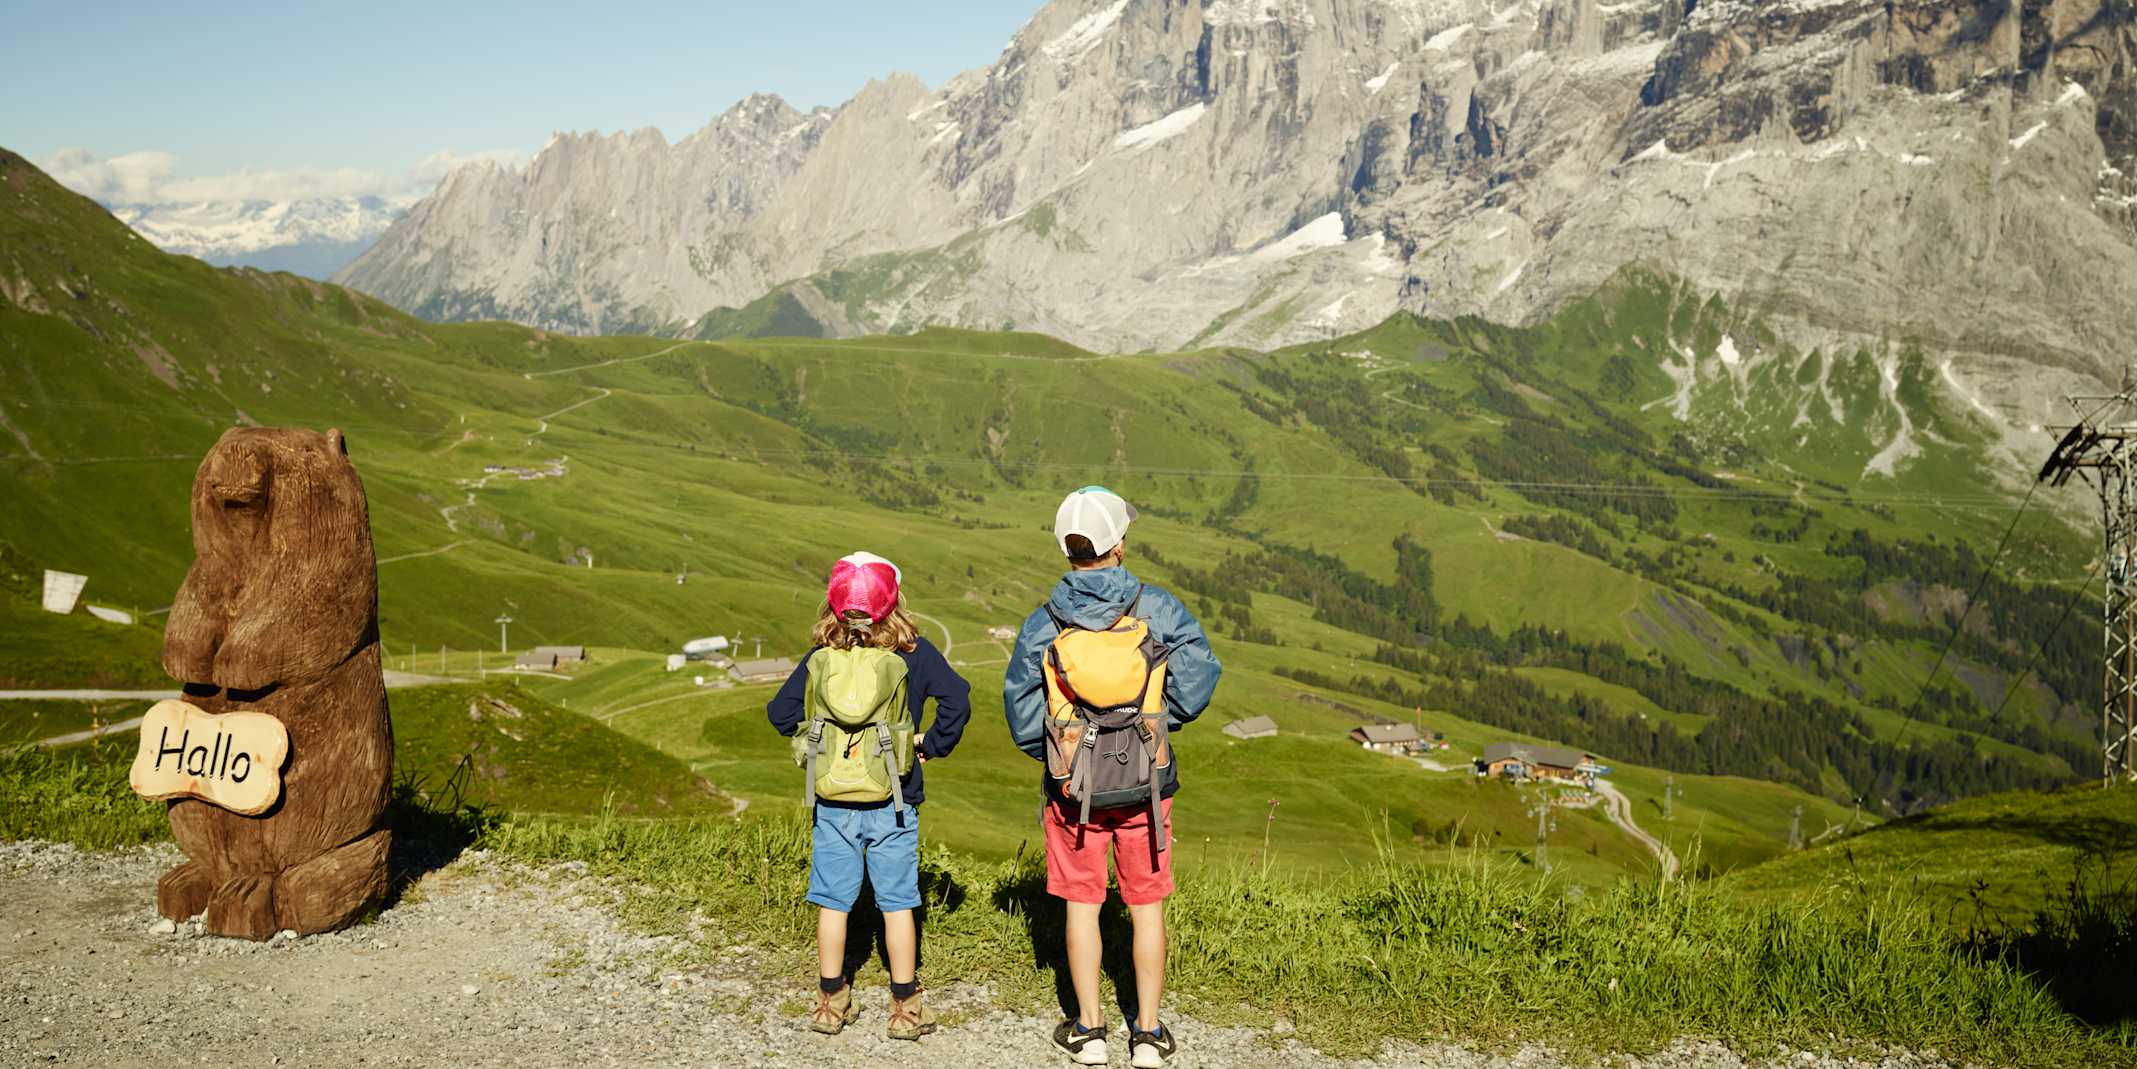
(279, 615)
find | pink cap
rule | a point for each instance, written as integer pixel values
(863, 582)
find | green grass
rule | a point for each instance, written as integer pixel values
(29, 721)
(41, 650)
(522, 754)
(1465, 943)
(753, 462)
(1470, 950)
(1333, 798)
(77, 796)
(1983, 862)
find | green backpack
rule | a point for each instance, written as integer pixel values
(857, 740)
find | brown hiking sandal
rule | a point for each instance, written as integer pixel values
(910, 1018)
(834, 1012)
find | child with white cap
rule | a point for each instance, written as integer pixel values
(873, 670)
(1102, 674)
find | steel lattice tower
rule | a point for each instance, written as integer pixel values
(2103, 452)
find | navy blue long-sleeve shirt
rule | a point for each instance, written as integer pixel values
(927, 675)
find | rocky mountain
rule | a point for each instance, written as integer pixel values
(307, 237)
(1956, 178)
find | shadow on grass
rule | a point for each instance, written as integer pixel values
(431, 827)
(2079, 946)
(1045, 918)
(2095, 835)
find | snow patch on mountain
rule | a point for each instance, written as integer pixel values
(1220, 171)
(1323, 232)
(1084, 34)
(1170, 126)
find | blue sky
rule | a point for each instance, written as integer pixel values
(206, 89)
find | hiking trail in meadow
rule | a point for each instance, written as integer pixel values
(492, 963)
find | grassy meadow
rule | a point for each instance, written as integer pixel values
(1412, 941)
(1559, 533)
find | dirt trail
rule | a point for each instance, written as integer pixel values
(608, 363)
(541, 427)
(488, 964)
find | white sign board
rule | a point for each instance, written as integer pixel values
(62, 589)
(233, 760)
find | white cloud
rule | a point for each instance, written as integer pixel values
(150, 177)
(128, 179)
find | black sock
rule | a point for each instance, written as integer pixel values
(830, 985)
(904, 991)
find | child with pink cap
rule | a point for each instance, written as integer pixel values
(864, 610)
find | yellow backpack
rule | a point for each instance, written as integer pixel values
(1105, 726)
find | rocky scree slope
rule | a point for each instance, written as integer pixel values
(1959, 177)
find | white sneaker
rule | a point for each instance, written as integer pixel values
(1083, 1048)
(1148, 1050)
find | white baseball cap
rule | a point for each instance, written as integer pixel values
(1097, 514)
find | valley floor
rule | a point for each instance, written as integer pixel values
(488, 963)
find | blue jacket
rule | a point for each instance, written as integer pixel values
(927, 675)
(1096, 599)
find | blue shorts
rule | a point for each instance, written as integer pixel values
(847, 842)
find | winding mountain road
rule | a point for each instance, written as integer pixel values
(1619, 809)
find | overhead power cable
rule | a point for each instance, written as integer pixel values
(2042, 648)
(1966, 610)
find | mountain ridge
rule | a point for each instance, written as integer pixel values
(1149, 174)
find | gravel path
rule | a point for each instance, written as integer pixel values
(494, 964)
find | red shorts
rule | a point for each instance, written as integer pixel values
(1076, 853)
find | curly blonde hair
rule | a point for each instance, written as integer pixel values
(894, 631)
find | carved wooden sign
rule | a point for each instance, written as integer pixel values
(233, 760)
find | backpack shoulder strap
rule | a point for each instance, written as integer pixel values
(1132, 605)
(890, 765)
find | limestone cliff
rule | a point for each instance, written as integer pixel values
(1961, 177)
